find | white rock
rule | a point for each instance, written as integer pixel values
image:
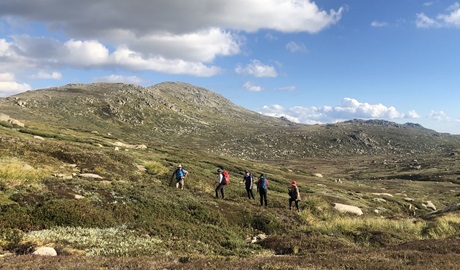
(45, 251)
(382, 194)
(343, 208)
(90, 175)
(318, 175)
(429, 205)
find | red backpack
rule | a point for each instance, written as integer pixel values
(226, 178)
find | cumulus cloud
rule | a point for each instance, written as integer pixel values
(451, 18)
(152, 35)
(50, 53)
(252, 87)
(97, 18)
(438, 115)
(257, 69)
(296, 47)
(8, 85)
(349, 109)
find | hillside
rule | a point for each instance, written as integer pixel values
(174, 113)
(86, 169)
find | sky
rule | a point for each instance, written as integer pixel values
(313, 62)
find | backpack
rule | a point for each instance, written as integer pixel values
(225, 178)
(292, 192)
(263, 183)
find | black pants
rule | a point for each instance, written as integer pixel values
(221, 188)
(263, 196)
(296, 203)
(249, 191)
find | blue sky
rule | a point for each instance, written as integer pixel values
(312, 62)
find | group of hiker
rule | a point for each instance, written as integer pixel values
(223, 179)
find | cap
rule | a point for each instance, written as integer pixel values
(219, 170)
(294, 183)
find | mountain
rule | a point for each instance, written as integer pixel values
(184, 115)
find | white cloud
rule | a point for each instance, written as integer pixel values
(119, 78)
(287, 88)
(378, 24)
(295, 47)
(438, 115)
(98, 18)
(49, 53)
(349, 109)
(257, 69)
(157, 34)
(449, 19)
(44, 75)
(8, 86)
(252, 87)
(85, 53)
(424, 21)
(453, 18)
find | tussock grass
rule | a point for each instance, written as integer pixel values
(155, 168)
(14, 173)
(443, 226)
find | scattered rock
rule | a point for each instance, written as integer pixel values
(39, 138)
(382, 194)
(90, 175)
(27, 167)
(63, 176)
(343, 208)
(78, 197)
(45, 251)
(429, 205)
(318, 175)
(409, 199)
(379, 200)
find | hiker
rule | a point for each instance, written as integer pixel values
(248, 181)
(220, 183)
(180, 175)
(262, 186)
(294, 195)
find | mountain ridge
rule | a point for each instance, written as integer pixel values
(177, 112)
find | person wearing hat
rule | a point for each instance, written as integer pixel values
(294, 195)
(220, 183)
(180, 175)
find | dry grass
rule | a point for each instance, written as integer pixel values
(14, 173)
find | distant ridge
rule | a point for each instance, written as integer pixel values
(183, 115)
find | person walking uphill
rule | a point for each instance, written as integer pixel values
(180, 175)
(262, 187)
(294, 195)
(220, 183)
(248, 182)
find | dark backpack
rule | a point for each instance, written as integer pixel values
(225, 178)
(292, 192)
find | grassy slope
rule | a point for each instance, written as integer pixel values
(191, 223)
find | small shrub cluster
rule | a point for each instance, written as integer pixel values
(155, 168)
(117, 241)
